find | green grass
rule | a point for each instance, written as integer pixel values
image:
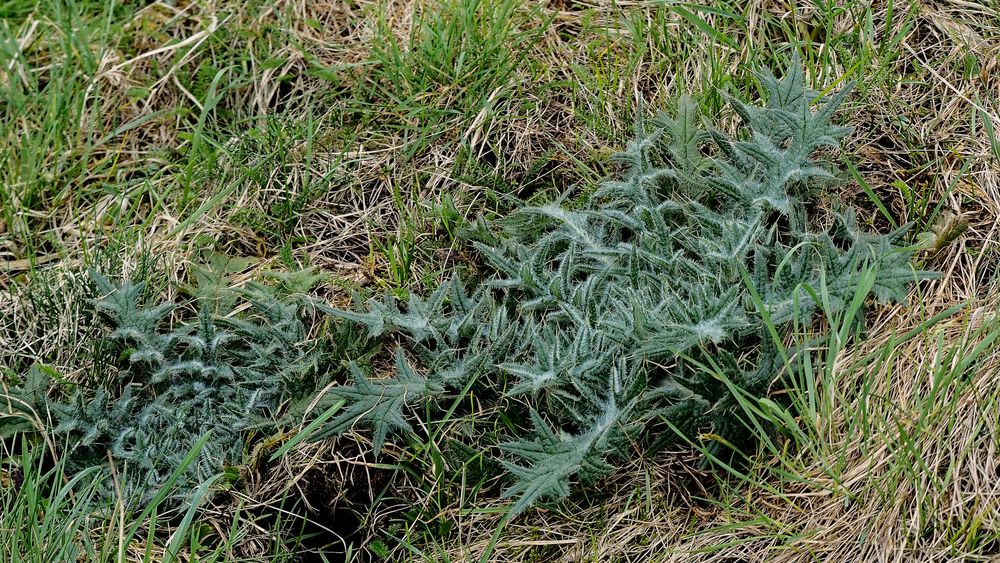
(846, 412)
(359, 137)
(52, 518)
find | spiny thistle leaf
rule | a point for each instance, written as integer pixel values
(227, 376)
(629, 297)
(555, 459)
(380, 403)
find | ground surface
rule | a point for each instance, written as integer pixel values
(351, 135)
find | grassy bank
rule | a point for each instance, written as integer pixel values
(199, 146)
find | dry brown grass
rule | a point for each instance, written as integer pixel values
(919, 121)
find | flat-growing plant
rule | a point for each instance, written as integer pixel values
(221, 377)
(600, 317)
(629, 318)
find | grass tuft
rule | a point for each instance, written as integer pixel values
(357, 136)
